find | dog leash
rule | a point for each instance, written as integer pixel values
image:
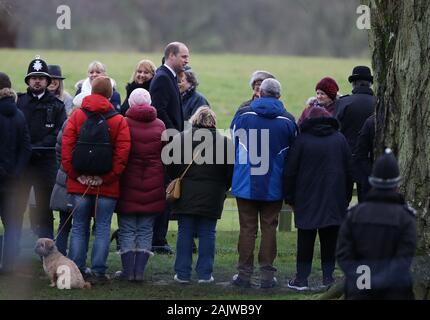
(71, 214)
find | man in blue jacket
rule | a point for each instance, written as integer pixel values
(262, 134)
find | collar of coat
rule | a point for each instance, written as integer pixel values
(379, 195)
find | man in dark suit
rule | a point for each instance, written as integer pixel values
(167, 100)
(353, 110)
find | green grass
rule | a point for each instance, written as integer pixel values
(224, 81)
(223, 78)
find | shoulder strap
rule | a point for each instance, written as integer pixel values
(185, 171)
(105, 115)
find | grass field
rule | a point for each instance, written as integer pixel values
(224, 81)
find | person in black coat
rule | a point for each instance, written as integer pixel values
(379, 235)
(141, 78)
(353, 110)
(363, 153)
(317, 174)
(45, 115)
(15, 151)
(191, 98)
(167, 100)
(203, 191)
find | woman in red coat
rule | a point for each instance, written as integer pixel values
(99, 192)
(142, 186)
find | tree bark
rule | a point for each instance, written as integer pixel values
(400, 43)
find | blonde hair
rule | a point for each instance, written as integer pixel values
(148, 65)
(97, 65)
(203, 117)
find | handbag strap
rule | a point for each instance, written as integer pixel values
(185, 171)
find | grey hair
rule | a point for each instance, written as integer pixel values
(270, 88)
(361, 83)
(203, 117)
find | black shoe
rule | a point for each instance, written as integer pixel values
(268, 284)
(298, 285)
(162, 249)
(239, 282)
(98, 279)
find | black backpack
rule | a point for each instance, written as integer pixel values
(93, 151)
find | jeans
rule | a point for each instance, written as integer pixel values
(135, 232)
(65, 228)
(204, 227)
(81, 229)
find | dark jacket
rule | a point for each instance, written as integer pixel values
(167, 99)
(59, 196)
(353, 110)
(204, 185)
(381, 234)
(191, 101)
(142, 182)
(45, 118)
(363, 153)
(15, 147)
(317, 174)
(129, 89)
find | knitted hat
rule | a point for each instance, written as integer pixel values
(385, 173)
(4, 81)
(260, 75)
(329, 86)
(102, 86)
(139, 97)
(37, 68)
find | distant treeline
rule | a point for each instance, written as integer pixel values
(293, 27)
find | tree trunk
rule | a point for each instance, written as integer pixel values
(400, 42)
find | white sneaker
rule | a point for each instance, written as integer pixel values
(180, 280)
(211, 279)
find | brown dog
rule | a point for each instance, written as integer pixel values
(56, 265)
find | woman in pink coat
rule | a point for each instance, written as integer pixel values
(142, 194)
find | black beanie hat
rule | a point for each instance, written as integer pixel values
(4, 81)
(385, 173)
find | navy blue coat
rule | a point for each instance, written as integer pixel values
(167, 99)
(15, 147)
(352, 111)
(191, 101)
(317, 173)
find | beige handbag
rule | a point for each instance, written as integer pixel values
(173, 190)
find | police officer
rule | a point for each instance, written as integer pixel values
(352, 111)
(377, 240)
(45, 115)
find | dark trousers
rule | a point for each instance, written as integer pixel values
(64, 228)
(305, 251)
(12, 224)
(41, 215)
(161, 225)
